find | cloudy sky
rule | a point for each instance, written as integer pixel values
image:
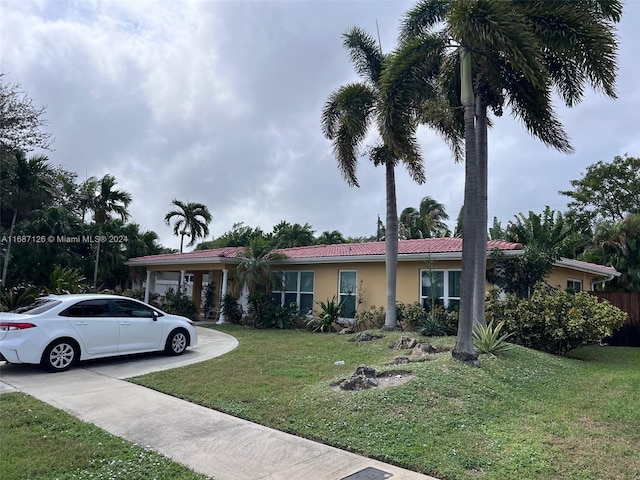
(219, 102)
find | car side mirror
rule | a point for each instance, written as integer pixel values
(155, 316)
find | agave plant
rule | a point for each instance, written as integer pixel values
(330, 312)
(488, 339)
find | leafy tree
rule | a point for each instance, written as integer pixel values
(20, 120)
(105, 201)
(507, 52)
(286, 235)
(330, 238)
(347, 117)
(240, 235)
(30, 187)
(608, 190)
(618, 244)
(192, 220)
(496, 232)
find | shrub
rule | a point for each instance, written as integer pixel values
(18, 296)
(369, 319)
(330, 312)
(67, 280)
(263, 312)
(231, 308)
(179, 304)
(555, 321)
(488, 339)
(437, 322)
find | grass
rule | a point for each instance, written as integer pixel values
(523, 414)
(39, 442)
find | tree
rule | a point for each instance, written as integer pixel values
(608, 190)
(20, 120)
(506, 52)
(30, 186)
(254, 270)
(330, 238)
(192, 220)
(105, 201)
(427, 222)
(286, 235)
(618, 244)
(240, 235)
(347, 117)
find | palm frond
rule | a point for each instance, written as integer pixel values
(365, 54)
(424, 17)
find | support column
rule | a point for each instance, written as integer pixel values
(225, 276)
(147, 285)
(181, 281)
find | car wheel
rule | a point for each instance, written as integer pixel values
(59, 356)
(177, 342)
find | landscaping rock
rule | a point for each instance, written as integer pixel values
(405, 343)
(423, 349)
(365, 337)
(358, 382)
(346, 331)
(367, 371)
(400, 361)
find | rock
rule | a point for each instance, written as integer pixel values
(400, 361)
(423, 349)
(405, 343)
(346, 331)
(365, 337)
(358, 382)
(367, 371)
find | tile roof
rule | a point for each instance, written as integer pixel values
(405, 247)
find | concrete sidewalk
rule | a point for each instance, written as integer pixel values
(209, 442)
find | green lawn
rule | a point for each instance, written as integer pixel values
(522, 415)
(39, 442)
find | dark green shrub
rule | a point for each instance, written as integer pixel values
(231, 308)
(330, 312)
(263, 312)
(555, 321)
(18, 296)
(438, 321)
(179, 304)
(67, 280)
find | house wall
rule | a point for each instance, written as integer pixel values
(560, 275)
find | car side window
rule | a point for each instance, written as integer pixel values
(88, 308)
(127, 308)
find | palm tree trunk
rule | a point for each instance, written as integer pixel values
(481, 241)
(464, 349)
(5, 267)
(95, 268)
(391, 247)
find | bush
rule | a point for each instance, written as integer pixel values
(371, 319)
(18, 296)
(231, 308)
(555, 321)
(264, 313)
(330, 312)
(488, 339)
(438, 322)
(179, 304)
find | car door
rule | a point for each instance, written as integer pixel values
(140, 329)
(97, 328)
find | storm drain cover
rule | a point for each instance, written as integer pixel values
(369, 474)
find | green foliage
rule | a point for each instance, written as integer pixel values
(18, 296)
(555, 321)
(488, 339)
(231, 308)
(438, 321)
(207, 294)
(178, 304)
(371, 319)
(330, 312)
(263, 312)
(67, 280)
(519, 274)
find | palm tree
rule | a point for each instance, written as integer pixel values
(254, 270)
(286, 235)
(330, 238)
(347, 117)
(105, 201)
(192, 220)
(427, 222)
(29, 188)
(508, 52)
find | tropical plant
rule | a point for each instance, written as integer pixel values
(254, 270)
(330, 238)
(507, 52)
(17, 296)
(208, 292)
(30, 185)
(426, 222)
(177, 303)
(65, 280)
(372, 318)
(191, 220)
(105, 201)
(231, 308)
(347, 117)
(330, 313)
(488, 339)
(286, 235)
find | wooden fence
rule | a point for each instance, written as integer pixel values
(629, 334)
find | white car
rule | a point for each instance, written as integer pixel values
(60, 330)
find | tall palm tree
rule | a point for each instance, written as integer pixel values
(192, 220)
(503, 52)
(347, 117)
(427, 222)
(286, 235)
(330, 238)
(29, 188)
(105, 201)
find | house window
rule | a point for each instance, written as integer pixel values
(348, 291)
(574, 285)
(295, 287)
(440, 287)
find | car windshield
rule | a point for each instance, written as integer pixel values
(39, 305)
